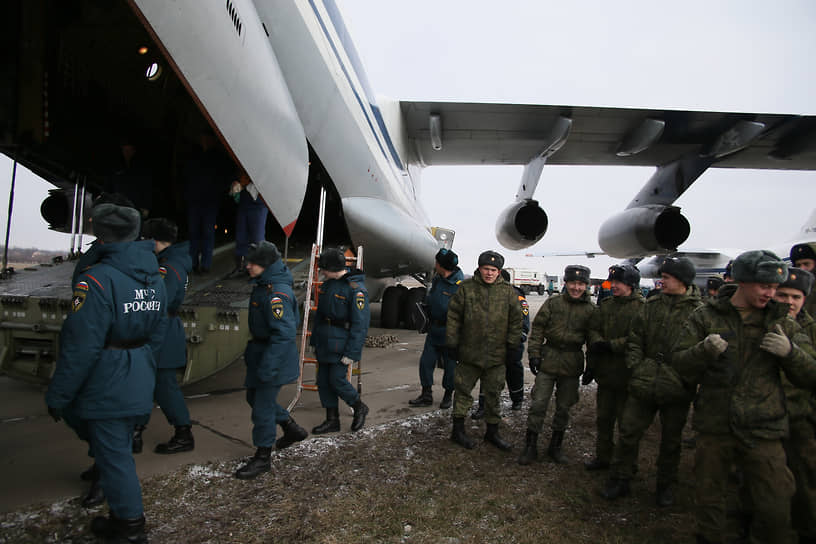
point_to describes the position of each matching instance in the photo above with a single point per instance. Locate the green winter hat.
(112, 223)
(802, 251)
(759, 266)
(263, 254)
(798, 279)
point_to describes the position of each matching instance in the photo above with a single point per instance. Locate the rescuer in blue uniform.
(271, 356)
(175, 264)
(341, 325)
(106, 370)
(443, 287)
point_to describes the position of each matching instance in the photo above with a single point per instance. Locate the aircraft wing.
(478, 133)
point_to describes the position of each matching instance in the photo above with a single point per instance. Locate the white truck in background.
(533, 281)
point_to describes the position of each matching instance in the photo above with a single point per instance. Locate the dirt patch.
(404, 481)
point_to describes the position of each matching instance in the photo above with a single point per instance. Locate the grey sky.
(733, 56)
(729, 56)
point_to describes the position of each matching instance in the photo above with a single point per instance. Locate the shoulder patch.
(458, 282)
(78, 299)
(81, 286)
(162, 271)
(525, 307)
(277, 307)
(360, 300)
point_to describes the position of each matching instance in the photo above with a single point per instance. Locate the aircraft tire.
(392, 303)
(410, 312)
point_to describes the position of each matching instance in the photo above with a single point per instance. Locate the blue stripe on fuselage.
(348, 47)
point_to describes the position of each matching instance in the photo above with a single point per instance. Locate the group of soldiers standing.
(743, 355)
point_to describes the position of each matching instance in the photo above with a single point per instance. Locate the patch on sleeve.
(525, 308)
(277, 307)
(360, 300)
(79, 298)
(163, 271)
(81, 286)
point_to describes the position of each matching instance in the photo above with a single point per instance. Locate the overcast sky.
(713, 55)
(729, 56)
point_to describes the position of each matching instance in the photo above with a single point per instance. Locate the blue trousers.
(111, 442)
(250, 227)
(266, 414)
(171, 400)
(427, 363)
(201, 223)
(332, 383)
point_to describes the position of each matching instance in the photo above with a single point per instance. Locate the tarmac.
(40, 460)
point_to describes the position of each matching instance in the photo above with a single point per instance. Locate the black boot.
(447, 399)
(113, 529)
(182, 440)
(332, 423)
(478, 413)
(89, 474)
(664, 495)
(517, 398)
(492, 436)
(95, 495)
(554, 449)
(138, 442)
(530, 452)
(360, 413)
(292, 432)
(596, 464)
(424, 399)
(256, 465)
(615, 488)
(459, 436)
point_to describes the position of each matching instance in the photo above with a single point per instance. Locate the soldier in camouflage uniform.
(734, 348)
(654, 386)
(804, 256)
(606, 364)
(800, 446)
(563, 323)
(484, 323)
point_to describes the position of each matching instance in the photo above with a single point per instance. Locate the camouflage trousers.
(609, 409)
(800, 449)
(492, 382)
(566, 396)
(769, 484)
(638, 415)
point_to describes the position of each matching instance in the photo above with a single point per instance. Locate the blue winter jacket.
(341, 319)
(442, 290)
(272, 356)
(175, 265)
(106, 366)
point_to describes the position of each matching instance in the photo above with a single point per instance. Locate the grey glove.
(776, 342)
(714, 345)
(347, 360)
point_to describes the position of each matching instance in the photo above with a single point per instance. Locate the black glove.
(587, 376)
(535, 363)
(600, 347)
(56, 413)
(453, 353)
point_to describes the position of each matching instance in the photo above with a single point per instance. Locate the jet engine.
(643, 230)
(57, 208)
(521, 225)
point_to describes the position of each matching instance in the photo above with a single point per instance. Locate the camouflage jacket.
(740, 391)
(810, 304)
(563, 322)
(611, 323)
(483, 321)
(649, 346)
(800, 400)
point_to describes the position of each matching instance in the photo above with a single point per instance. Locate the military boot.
(615, 488)
(447, 399)
(554, 449)
(256, 465)
(479, 412)
(492, 436)
(530, 452)
(292, 432)
(664, 495)
(459, 436)
(138, 441)
(424, 399)
(517, 398)
(360, 413)
(332, 423)
(89, 474)
(113, 529)
(95, 496)
(596, 464)
(182, 440)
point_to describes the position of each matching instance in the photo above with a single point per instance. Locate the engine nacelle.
(521, 225)
(643, 231)
(57, 206)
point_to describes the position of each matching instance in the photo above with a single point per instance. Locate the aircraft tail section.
(809, 227)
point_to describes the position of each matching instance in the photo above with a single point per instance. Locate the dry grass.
(400, 482)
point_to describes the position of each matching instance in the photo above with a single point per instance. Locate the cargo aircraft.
(281, 86)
